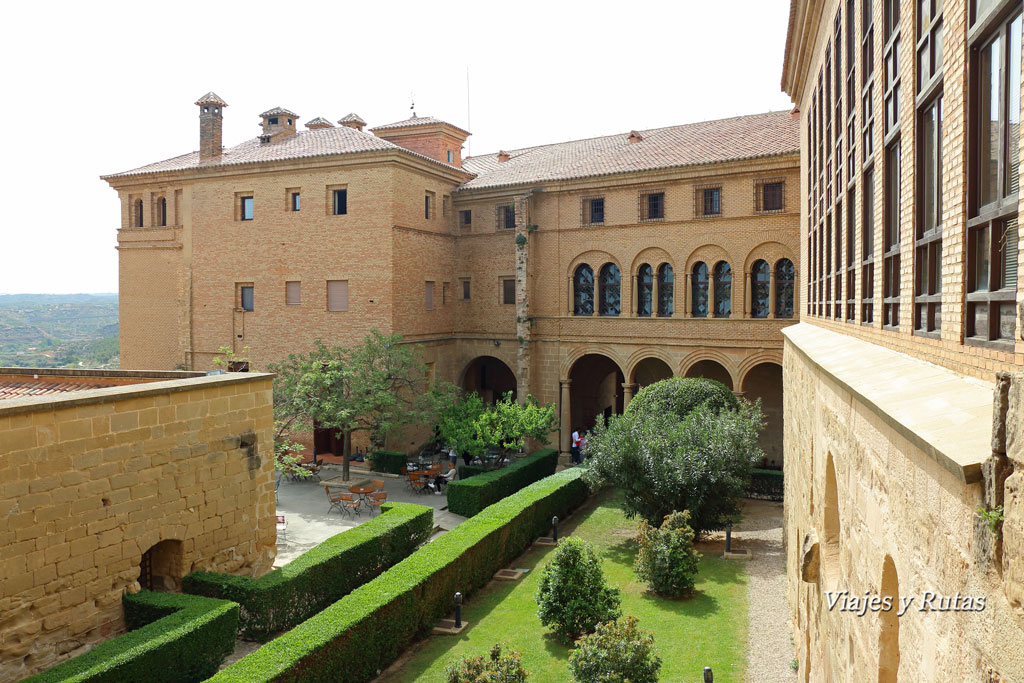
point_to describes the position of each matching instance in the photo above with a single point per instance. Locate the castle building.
(576, 272)
(904, 431)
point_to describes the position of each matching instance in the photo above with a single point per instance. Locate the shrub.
(617, 651)
(358, 636)
(680, 395)
(573, 596)
(320, 576)
(766, 484)
(391, 462)
(497, 668)
(667, 560)
(467, 471)
(470, 496)
(175, 639)
(701, 463)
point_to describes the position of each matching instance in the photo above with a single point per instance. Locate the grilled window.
(466, 219)
(506, 216)
(611, 287)
(508, 290)
(652, 206)
(644, 290)
(699, 290)
(759, 297)
(583, 290)
(784, 277)
(666, 290)
(723, 290)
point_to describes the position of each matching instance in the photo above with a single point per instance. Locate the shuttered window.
(430, 296)
(293, 293)
(337, 295)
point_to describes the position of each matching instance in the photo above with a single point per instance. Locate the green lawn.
(709, 629)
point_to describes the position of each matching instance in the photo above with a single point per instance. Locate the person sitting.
(441, 480)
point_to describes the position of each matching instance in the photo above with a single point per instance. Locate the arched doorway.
(889, 632)
(596, 391)
(709, 369)
(489, 377)
(764, 381)
(650, 370)
(162, 567)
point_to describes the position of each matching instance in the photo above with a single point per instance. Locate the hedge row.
(766, 484)
(175, 639)
(361, 634)
(320, 576)
(391, 462)
(470, 496)
(467, 471)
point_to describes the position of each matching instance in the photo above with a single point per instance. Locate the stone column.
(685, 308)
(772, 313)
(565, 417)
(746, 295)
(522, 209)
(627, 394)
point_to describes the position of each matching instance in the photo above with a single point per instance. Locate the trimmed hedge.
(175, 639)
(766, 484)
(322, 575)
(467, 471)
(390, 462)
(361, 634)
(470, 496)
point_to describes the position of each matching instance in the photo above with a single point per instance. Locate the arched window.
(611, 286)
(699, 290)
(723, 290)
(666, 290)
(583, 290)
(645, 291)
(760, 275)
(138, 213)
(784, 288)
(161, 211)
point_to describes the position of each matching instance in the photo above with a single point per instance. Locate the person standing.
(574, 448)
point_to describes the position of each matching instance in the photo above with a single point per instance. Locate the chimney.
(634, 136)
(278, 124)
(504, 156)
(318, 123)
(211, 123)
(353, 120)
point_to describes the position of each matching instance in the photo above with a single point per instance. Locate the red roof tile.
(21, 388)
(418, 121)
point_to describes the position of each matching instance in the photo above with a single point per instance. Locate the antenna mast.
(469, 120)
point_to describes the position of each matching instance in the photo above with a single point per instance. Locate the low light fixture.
(497, 343)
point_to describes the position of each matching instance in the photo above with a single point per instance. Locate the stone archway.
(162, 566)
(764, 381)
(650, 370)
(596, 390)
(710, 369)
(489, 377)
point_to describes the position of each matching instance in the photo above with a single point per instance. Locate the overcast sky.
(95, 88)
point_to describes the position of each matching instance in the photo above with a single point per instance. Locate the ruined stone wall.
(871, 510)
(91, 481)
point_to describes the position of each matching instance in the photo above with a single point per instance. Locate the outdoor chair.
(418, 482)
(312, 469)
(377, 499)
(335, 499)
(350, 504)
(282, 525)
(377, 484)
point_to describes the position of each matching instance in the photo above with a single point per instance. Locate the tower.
(211, 122)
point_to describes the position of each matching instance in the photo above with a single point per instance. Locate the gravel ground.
(770, 644)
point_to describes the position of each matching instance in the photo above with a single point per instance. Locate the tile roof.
(211, 98)
(417, 121)
(20, 388)
(742, 137)
(319, 121)
(304, 144)
(352, 118)
(279, 111)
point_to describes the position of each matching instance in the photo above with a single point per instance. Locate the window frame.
(327, 292)
(610, 292)
(583, 291)
(587, 213)
(246, 199)
(665, 279)
(466, 219)
(697, 286)
(761, 195)
(298, 293)
(243, 289)
(503, 212)
(465, 289)
(700, 200)
(646, 200)
(645, 290)
(503, 290)
(722, 304)
(334, 206)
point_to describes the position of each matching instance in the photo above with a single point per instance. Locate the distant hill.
(59, 330)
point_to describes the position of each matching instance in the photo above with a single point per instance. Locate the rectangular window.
(465, 288)
(445, 286)
(652, 206)
(867, 278)
(296, 203)
(506, 216)
(245, 208)
(851, 267)
(428, 205)
(339, 201)
(429, 296)
(928, 238)
(337, 295)
(993, 238)
(293, 293)
(451, 157)
(508, 290)
(445, 200)
(246, 299)
(768, 195)
(707, 200)
(466, 219)
(891, 257)
(593, 210)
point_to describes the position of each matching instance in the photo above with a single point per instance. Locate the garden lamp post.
(709, 675)
(728, 538)
(458, 610)
(554, 529)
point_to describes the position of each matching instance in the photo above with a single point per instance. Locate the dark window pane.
(467, 218)
(699, 290)
(666, 294)
(761, 276)
(772, 200)
(246, 208)
(426, 207)
(784, 273)
(597, 210)
(988, 122)
(296, 201)
(583, 290)
(645, 290)
(723, 290)
(712, 201)
(340, 202)
(508, 291)
(465, 289)
(247, 298)
(655, 206)
(1013, 109)
(610, 290)
(1009, 253)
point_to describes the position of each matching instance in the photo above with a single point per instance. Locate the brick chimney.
(428, 136)
(504, 156)
(211, 123)
(318, 123)
(278, 124)
(353, 120)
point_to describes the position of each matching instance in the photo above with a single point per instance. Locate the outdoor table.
(362, 491)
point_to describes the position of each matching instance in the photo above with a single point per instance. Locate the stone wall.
(90, 481)
(882, 488)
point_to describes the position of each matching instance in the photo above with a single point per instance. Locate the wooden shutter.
(337, 295)
(293, 293)
(430, 296)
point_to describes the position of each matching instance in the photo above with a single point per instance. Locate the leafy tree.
(680, 395)
(496, 668)
(287, 455)
(666, 559)
(573, 595)
(700, 463)
(618, 651)
(457, 415)
(375, 387)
